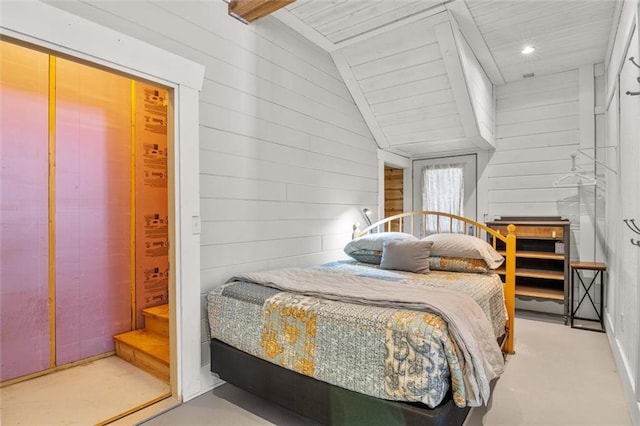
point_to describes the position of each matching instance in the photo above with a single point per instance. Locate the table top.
(595, 266)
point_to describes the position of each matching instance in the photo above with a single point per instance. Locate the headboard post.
(480, 231)
(510, 286)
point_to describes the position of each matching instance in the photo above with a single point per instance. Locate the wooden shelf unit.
(542, 257)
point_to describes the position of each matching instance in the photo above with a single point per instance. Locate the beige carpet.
(83, 395)
(558, 376)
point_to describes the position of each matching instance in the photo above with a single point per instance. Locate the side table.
(599, 269)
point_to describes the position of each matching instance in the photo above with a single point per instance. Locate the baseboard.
(623, 373)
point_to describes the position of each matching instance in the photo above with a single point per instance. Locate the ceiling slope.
(423, 72)
(417, 88)
(416, 81)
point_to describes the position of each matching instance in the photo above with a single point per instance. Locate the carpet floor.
(559, 376)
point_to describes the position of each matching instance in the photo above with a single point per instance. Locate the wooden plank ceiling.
(423, 72)
(403, 79)
(340, 20)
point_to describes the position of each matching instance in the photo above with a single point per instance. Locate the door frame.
(48, 27)
(386, 158)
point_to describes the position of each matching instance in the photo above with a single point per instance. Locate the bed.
(405, 332)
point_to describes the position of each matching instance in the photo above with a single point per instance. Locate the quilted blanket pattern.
(390, 353)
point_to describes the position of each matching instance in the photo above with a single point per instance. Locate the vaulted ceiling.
(423, 72)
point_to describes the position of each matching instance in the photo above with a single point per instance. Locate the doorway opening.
(393, 193)
(85, 241)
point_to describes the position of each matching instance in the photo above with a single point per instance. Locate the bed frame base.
(320, 401)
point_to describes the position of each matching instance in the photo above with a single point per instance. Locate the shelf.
(536, 273)
(534, 231)
(535, 255)
(539, 292)
(542, 259)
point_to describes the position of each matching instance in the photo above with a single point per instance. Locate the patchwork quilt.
(389, 334)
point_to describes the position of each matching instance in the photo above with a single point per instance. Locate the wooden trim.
(541, 232)
(52, 211)
(593, 266)
(251, 10)
(535, 255)
(536, 273)
(134, 409)
(132, 254)
(56, 368)
(510, 288)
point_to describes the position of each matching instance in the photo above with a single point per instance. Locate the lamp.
(366, 213)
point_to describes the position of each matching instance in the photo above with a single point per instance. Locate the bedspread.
(399, 349)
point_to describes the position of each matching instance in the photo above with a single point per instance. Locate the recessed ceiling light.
(528, 50)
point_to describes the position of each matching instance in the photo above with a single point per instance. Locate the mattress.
(385, 352)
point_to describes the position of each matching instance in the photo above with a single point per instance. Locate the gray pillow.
(411, 256)
(368, 248)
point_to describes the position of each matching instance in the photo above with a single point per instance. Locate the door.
(445, 184)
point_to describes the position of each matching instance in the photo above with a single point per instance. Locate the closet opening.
(85, 222)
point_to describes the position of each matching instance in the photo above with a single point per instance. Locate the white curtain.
(443, 191)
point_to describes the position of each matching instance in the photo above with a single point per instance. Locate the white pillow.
(467, 246)
(376, 241)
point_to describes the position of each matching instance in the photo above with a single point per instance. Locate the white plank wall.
(538, 127)
(286, 161)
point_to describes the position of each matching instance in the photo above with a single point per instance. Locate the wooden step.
(146, 350)
(156, 319)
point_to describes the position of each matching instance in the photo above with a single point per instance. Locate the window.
(443, 191)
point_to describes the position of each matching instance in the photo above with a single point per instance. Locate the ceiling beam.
(304, 30)
(453, 65)
(250, 10)
(360, 100)
(471, 33)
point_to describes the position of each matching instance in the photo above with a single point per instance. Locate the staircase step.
(160, 312)
(146, 350)
(156, 319)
